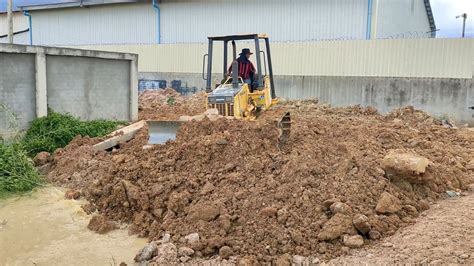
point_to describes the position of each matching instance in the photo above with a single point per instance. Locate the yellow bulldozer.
(232, 96)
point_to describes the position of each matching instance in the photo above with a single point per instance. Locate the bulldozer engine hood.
(223, 94)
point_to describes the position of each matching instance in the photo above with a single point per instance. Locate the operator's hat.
(245, 51)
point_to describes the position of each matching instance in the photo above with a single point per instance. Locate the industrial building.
(89, 22)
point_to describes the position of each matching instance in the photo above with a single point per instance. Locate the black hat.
(245, 51)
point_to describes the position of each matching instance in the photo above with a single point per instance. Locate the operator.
(246, 68)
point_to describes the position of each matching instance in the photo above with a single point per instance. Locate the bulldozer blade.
(159, 132)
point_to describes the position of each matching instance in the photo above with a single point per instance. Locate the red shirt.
(246, 69)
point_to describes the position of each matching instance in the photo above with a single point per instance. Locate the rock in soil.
(374, 235)
(361, 223)
(147, 252)
(339, 207)
(225, 252)
(185, 251)
(353, 241)
(192, 238)
(388, 204)
(166, 254)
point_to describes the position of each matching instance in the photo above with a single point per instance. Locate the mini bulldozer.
(232, 96)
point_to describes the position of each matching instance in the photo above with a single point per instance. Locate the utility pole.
(10, 21)
(464, 16)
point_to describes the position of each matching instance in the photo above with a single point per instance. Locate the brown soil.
(169, 104)
(442, 236)
(230, 182)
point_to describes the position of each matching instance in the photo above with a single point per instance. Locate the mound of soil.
(169, 104)
(228, 181)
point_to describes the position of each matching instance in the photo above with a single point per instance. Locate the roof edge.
(77, 4)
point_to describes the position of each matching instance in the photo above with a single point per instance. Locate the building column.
(134, 89)
(41, 85)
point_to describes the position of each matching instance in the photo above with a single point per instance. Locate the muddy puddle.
(43, 228)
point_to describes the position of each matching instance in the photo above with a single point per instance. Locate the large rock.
(353, 241)
(408, 166)
(335, 227)
(361, 223)
(388, 204)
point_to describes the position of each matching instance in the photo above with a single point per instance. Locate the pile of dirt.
(169, 104)
(227, 185)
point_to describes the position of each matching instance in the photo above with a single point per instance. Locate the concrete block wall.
(89, 88)
(17, 91)
(87, 84)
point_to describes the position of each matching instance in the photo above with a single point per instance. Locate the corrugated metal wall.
(20, 23)
(402, 19)
(431, 58)
(191, 21)
(108, 24)
(188, 21)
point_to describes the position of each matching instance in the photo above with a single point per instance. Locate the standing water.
(46, 229)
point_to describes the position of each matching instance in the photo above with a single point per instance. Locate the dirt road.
(442, 235)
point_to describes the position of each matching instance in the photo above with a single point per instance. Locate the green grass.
(57, 130)
(17, 173)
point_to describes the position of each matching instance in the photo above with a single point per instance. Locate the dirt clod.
(101, 224)
(388, 204)
(335, 227)
(72, 194)
(42, 158)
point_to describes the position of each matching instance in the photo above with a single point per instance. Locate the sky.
(444, 11)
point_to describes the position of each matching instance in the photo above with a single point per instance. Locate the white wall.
(417, 58)
(107, 24)
(189, 21)
(20, 23)
(402, 19)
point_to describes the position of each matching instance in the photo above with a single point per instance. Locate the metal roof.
(76, 3)
(237, 37)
